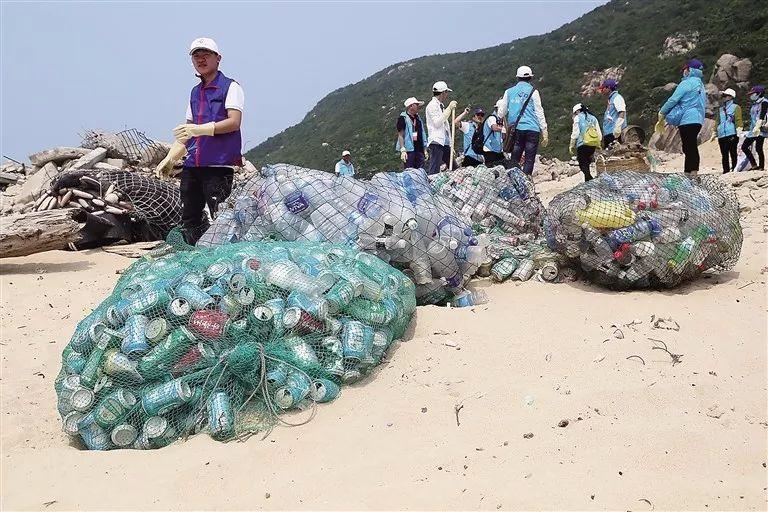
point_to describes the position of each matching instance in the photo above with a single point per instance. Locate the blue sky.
(72, 66)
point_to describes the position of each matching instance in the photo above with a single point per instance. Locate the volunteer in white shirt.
(344, 166)
(438, 127)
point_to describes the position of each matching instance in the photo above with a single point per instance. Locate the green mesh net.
(225, 339)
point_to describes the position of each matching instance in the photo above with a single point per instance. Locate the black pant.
(607, 139)
(492, 158)
(729, 147)
(526, 143)
(470, 162)
(689, 134)
(438, 155)
(201, 186)
(584, 155)
(758, 142)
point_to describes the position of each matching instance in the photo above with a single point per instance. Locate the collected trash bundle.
(116, 205)
(394, 216)
(225, 339)
(641, 230)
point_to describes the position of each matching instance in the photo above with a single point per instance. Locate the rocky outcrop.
(679, 44)
(593, 79)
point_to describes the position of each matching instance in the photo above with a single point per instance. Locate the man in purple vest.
(210, 137)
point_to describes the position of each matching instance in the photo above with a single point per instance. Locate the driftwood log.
(35, 232)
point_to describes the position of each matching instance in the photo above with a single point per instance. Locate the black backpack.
(477, 138)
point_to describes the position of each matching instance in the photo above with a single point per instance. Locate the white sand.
(690, 436)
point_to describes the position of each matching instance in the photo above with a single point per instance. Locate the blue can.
(93, 435)
(277, 375)
(296, 389)
(353, 339)
(221, 417)
(194, 295)
(323, 390)
(135, 341)
(164, 397)
(278, 308)
(317, 307)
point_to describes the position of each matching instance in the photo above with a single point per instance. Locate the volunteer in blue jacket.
(685, 109)
(532, 125)
(344, 166)
(758, 127)
(493, 152)
(615, 117)
(585, 137)
(728, 124)
(411, 135)
(468, 128)
(211, 139)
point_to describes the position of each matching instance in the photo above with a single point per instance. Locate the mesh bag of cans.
(394, 216)
(646, 230)
(224, 339)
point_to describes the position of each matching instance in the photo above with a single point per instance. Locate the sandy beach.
(641, 433)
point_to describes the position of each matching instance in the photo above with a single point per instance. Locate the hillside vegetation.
(626, 34)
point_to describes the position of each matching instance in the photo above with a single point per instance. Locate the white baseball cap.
(204, 43)
(441, 87)
(499, 103)
(576, 107)
(345, 153)
(524, 72)
(410, 101)
(729, 92)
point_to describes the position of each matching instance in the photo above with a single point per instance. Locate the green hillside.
(630, 34)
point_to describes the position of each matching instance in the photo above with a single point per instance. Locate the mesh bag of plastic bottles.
(223, 340)
(646, 230)
(506, 214)
(394, 216)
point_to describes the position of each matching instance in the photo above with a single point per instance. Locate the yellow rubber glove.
(544, 138)
(659, 128)
(177, 151)
(572, 147)
(186, 131)
(403, 155)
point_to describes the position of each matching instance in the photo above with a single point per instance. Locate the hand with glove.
(403, 155)
(544, 139)
(617, 131)
(659, 128)
(163, 169)
(183, 132)
(756, 130)
(572, 147)
(449, 110)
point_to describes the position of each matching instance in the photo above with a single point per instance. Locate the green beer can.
(164, 355)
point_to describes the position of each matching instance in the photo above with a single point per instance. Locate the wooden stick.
(453, 136)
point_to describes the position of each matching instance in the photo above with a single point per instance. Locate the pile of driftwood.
(70, 196)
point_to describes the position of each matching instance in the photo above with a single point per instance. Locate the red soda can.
(208, 323)
(190, 360)
(301, 322)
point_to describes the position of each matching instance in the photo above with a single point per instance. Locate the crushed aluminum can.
(164, 397)
(208, 324)
(323, 390)
(92, 434)
(71, 420)
(195, 296)
(123, 435)
(135, 341)
(353, 340)
(156, 330)
(301, 322)
(524, 271)
(221, 417)
(549, 271)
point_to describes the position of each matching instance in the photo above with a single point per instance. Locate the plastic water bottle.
(469, 298)
(334, 226)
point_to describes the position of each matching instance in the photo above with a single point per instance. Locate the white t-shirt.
(619, 104)
(235, 99)
(438, 129)
(465, 125)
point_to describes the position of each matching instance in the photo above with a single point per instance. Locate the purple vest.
(207, 105)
